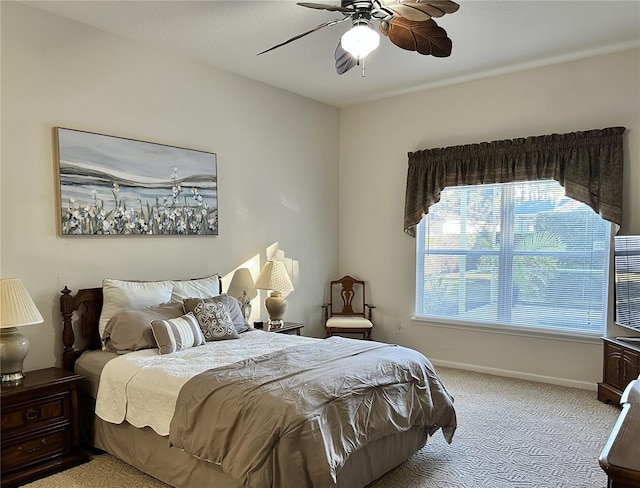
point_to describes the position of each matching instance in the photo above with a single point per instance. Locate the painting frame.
(116, 186)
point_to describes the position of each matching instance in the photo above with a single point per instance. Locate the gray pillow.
(130, 330)
(213, 317)
(233, 305)
(177, 334)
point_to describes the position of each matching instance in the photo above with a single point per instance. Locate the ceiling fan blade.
(425, 37)
(419, 10)
(324, 6)
(344, 60)
(295, 38)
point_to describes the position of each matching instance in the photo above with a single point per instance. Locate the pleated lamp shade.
(274, 277)
(16, 309)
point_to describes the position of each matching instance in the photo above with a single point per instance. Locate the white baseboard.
(516, 374)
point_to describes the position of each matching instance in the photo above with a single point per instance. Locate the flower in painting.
(169, 213)
(197, 197)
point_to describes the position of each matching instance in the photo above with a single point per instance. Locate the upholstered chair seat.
(348, 323)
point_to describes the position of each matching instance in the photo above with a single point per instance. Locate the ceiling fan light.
(360, 40)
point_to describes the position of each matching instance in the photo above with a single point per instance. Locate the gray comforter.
(292, 418)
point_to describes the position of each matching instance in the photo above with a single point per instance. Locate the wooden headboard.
(88, 303)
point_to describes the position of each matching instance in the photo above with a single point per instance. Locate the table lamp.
(274, 277)
(16, 309)
(243, 288)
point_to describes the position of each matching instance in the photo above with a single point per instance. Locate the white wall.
(277, 166)
(375, 138)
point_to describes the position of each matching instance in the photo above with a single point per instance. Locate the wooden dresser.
(621, 365)
(40, 433)
(620, 457)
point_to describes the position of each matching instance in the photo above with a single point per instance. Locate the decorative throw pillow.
(130, 330)
(177, 334)
(233, 306)
(121, 295)
(214, 319)
(196, 288)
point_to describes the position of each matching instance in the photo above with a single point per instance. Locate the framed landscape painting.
(114, 186)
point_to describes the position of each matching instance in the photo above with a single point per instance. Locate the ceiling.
(489, 38)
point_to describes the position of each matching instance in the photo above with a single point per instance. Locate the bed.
(261, 410)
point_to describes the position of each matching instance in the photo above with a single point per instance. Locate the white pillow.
(199, 288)
(121, 295)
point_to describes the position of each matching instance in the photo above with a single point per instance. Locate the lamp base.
(276, 306)
(275, 324)
(245, 308)
(12, 377)
(13, 349)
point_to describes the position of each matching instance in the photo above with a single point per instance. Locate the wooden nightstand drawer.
(40, 434)
(36, 447)
(30, 415)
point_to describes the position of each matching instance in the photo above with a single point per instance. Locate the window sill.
(552, 334)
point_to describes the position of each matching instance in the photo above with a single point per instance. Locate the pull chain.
(360, 61)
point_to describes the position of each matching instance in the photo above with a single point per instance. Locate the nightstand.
(40, 433)
(289, 328)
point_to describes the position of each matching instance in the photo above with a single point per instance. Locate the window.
(513, 254)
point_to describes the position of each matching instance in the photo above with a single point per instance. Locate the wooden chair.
(347, 312)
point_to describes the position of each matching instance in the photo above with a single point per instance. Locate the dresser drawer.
(35, 414)
(35, 447)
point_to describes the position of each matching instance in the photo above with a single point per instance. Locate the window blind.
(515, 254)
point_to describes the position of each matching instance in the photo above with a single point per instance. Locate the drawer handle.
(43, 442)
(31, 414)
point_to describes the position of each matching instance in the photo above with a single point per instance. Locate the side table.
(40, 429)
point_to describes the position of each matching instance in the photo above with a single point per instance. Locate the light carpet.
(511, 433)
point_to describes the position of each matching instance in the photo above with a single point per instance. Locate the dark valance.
(587, 164)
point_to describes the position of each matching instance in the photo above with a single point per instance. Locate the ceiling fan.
(407, 23)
